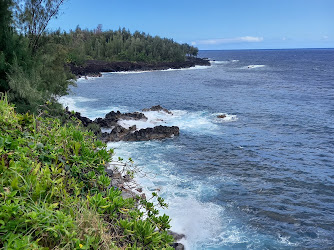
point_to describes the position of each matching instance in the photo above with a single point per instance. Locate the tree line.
(33, 61)
(120, 45)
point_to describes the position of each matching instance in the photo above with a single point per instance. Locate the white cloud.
(325, 37)
(284, 38)
(244, 39)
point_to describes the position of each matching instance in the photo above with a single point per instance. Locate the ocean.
(260, 178)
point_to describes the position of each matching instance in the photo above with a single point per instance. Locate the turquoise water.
(261, 178)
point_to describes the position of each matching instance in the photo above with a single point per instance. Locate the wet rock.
(111, 119)
(109, 172)
(176, 236)
(118, 133)
(221, 116)
(85, 120)
(156, 133)
(177, 246)
(158, 108)
(128, 194)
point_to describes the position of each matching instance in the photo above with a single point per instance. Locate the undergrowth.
(54, 191)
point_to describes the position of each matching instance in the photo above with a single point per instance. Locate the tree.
(33, 16)
(6, 38)
(31, 72)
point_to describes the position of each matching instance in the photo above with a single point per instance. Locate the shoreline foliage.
(55, 193)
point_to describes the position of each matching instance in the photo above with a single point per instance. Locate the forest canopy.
(120, 45)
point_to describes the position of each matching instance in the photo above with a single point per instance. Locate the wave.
(200, 122)
(86, 78)
(253, 66)
(191, 68)
(150, 71)
(219, 62)
(193, 122)
(127, 72)
(226, 118)
(223, 62)
(205, 224)
(77, 104)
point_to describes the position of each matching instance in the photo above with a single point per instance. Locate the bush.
(54, 191)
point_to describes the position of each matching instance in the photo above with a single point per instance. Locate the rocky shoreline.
(130, 189)
(119, 133)
(96, 67)
(118, 171)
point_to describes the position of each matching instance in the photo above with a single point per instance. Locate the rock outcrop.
(85, 120)
(119, 133)
(111, 119)
(156, 133)
(158, 108)
(95, 67)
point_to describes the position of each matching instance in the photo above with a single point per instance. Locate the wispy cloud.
(243, 39)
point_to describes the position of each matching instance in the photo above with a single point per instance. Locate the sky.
(211, 24)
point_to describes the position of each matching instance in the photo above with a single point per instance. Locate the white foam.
(219, 62)
(253, 66)
(196, 122)
(86, 78)
(191, 68)
(286, 240)
(73, 103)
(140, 124)
(223, 62)
(106, 130)
(130, 72)
(200, 222)
(227, 118)
(204, 224)
(163, 70)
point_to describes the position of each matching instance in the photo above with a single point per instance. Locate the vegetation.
(32, 71)
(34, 63)
(54, 191)
(120, 45)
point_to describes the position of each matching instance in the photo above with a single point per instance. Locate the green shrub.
(54, 191)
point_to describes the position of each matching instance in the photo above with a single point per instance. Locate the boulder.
(156, 133)
(221, 116)
(177, 246)
(111, 119)
(118, 133)
(176, 236)
(85, 120)
(158, 108)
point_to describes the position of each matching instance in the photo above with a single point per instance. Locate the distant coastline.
(96, 67)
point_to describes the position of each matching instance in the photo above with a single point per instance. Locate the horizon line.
(265, 49)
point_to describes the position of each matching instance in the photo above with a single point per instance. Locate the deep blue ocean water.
(261, 178)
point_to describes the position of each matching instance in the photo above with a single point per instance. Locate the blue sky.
(212, 24)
